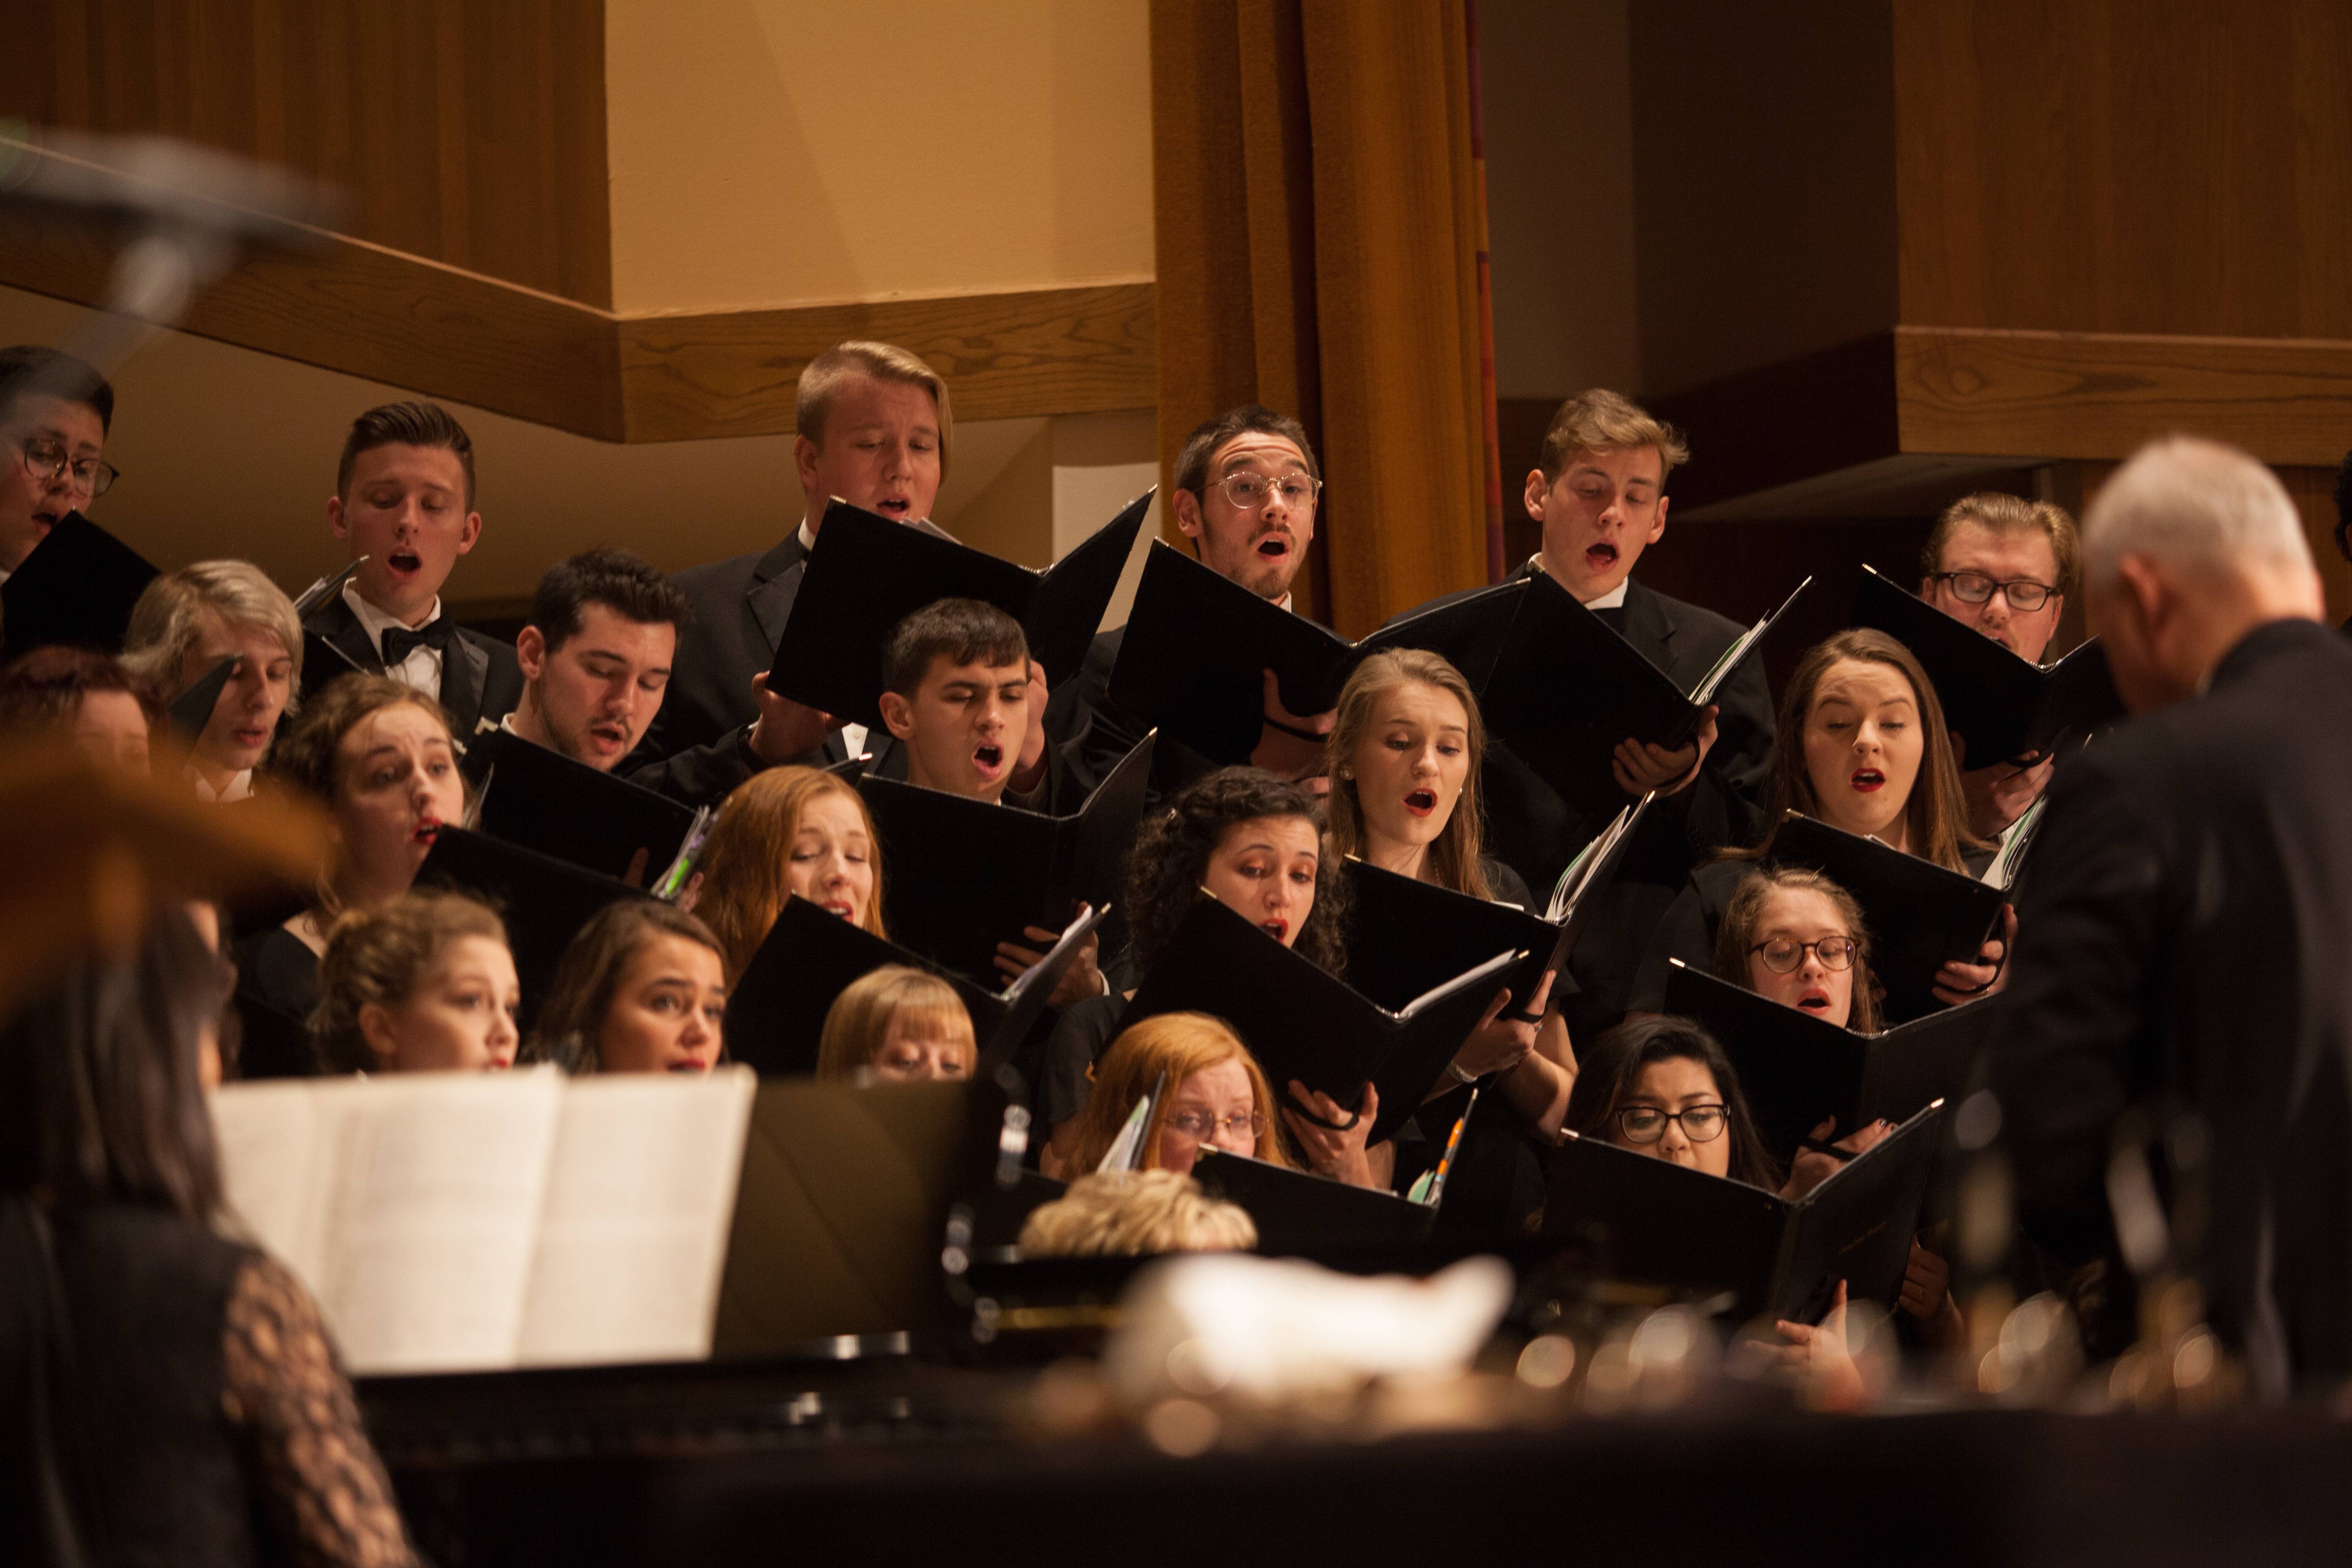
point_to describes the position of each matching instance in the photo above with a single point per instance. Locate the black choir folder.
(1658, 1223)
(1197, 644)
(544, 801)
(2003, 706)
(1303, 1023)
(192, 710)
(775, 1015)
(449, 1222)
(967, 875)
(1406, 937)
(77, 588)
(1566, 690)
(1799, 1071)
(1921, 916)
(1300, 1212)
(544, 901)
(867, 574)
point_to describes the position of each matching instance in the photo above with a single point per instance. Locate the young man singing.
(404, 500)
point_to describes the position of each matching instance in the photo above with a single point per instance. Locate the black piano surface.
(907, 1457)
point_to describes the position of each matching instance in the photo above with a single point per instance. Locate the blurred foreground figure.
(2189, 918)
(166, 1394)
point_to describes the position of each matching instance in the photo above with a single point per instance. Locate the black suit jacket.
(1095, 732)
(1539, 832)
(2187, 937)
(480, 681)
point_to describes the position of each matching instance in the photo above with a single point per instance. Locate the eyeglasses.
(1783, 953)
(1647, 1123)
(1975, 588)
(1249, 491)
(46, 459)
(1200, 1127)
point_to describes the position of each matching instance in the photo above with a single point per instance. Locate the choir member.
(641, 988)
(1599, 490)
(403, 501)
(379, 756)
(183, 626)
(177, 1388)
(1408, 752)
(1215, 1096)
(2002, 565)
(1246, 490)
(56, 413)
(1861, 746)
(872, 427)
(1662, 1087)
(84, 697)
(1795, 936)
(790, 832)
(2189, 912)
(1252, 841)
(422, 982)
(897, 1025)
(1136, 1213)
(595, 657)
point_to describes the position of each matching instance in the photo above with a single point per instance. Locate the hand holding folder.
(868, 572)
(1303, 1023)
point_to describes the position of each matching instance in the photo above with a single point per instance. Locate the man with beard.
(1247, 489)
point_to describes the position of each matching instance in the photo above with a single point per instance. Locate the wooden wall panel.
(1046, 350)
(467, 131)
(2121, 166)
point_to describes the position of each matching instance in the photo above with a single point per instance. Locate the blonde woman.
(897, 1024)
(183, 626)
(421, 984)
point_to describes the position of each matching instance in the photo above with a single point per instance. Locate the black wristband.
(1293, 730)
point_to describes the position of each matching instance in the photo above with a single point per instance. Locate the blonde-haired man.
(2184, 930)
(1599, 492)
(874, 426)
(2004, 566)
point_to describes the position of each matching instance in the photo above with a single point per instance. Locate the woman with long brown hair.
(641, 988)
(785, 832)
(1860, 745)
(1796, 937)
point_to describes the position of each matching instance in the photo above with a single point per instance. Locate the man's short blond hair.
(163, 625)
(1129, 1214)
(2000, 513)
(1599, 420)
(821, 382)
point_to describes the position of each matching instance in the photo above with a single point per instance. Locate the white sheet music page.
(632, 1230)
(430, 1237)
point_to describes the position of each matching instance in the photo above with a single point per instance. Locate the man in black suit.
(1247, 486)
(2183, 942)
(404, 500)
(874, 425)
(1599, 494)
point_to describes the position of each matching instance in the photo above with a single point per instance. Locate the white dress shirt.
(421, 670)
(239, 788)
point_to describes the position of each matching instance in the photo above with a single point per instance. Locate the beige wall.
(229, 452)
(770, 152)
(1558, 97)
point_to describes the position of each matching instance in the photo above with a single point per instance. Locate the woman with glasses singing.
(1662, 1087)
(1861, 745)
(1216, 1096)
(1798, 938)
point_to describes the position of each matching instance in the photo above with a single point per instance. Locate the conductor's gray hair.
(2188, 500)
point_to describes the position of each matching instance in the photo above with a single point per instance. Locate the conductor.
(2187, 926)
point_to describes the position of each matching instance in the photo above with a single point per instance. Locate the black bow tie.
(399, 641)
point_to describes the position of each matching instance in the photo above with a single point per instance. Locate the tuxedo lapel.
(1649, 626)
(465, 670)
(335, 622)
(775, 583)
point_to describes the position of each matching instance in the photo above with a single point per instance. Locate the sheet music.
(632, 1229)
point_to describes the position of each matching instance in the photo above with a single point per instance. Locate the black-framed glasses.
(1647, 1123)
(46, 458)
(1249, 491)
(1783, 953)
(1975, 588)
(1200, 1127)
